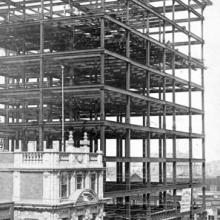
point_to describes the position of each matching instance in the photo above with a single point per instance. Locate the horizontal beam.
(77, 54)
(157, 72)
(152, 40)
(148, 189)
(151, 10)
(89, 91)
(151, 129)
(152, 160)
(110, 125)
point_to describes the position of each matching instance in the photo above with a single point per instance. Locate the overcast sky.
(212, 80)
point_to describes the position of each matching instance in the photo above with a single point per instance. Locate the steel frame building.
(121, 64)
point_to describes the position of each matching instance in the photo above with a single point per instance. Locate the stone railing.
(32, 157)
(56, 160)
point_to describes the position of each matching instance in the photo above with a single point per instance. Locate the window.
(64, 185)
(93, 181)
(79, 181)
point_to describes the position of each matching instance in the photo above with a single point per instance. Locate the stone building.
(54, 185)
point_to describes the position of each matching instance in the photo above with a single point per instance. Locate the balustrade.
(32, 157)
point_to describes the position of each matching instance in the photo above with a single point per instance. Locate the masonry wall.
(6, 185)
(31, 185)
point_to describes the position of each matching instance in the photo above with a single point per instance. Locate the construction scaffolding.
(132, 74)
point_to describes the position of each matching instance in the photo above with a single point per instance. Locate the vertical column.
(174, 142)
(8, 17)
(47, 189)
(55, 185)
(127, 119)
(160, 148)
(119, 166)
(164, 111)
(24, 10)
(87, 179)
(96, 109)
(203, 118)
(24, 146)
(127, 143)
(103, 5)
(49, 138)
(12, 144)
(164, 23)
(6, 141)
(102, 147)
(160, 30)
(164, 146)
(16, 186)
(41, 78)
(174, 110)
(100, 183)
(148, 147)
(144, 149)
(72, 182)
(148, 162)
(24, 140)
(144, 141)
(119, 154)
(62, 110)
(190, 111)
(71, 8)
(102, 94)
(17, 140)
(51, 8)
(162, 140)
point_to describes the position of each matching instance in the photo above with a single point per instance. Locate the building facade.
(52, 185)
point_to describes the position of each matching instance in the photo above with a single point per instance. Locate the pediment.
(84, 196)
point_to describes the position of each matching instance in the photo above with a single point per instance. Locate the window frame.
(93, 181)
(82, 180)
(66, 183)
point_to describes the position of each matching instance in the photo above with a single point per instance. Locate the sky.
(212, 80)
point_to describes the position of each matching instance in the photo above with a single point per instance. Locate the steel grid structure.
(125, 63)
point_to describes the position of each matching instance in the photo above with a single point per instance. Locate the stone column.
(100, 184)
(55, 187)
(47, 187)
(16, 186)
(87, 180)
(72, 183)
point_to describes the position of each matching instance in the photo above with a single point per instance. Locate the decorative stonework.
(46, 174)
(88, 215)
